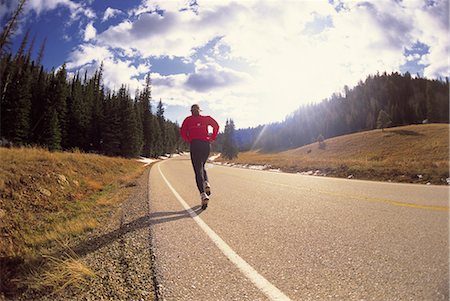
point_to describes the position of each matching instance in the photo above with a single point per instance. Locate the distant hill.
(405, 99)
(415, 153)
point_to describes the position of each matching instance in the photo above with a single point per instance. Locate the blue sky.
(250, 60)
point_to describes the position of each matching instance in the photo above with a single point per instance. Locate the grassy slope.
(49, 198)
(398, 154)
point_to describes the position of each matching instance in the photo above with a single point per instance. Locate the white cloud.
(151, 34)
(208, 76)
(90, 32)
(413, 57)
(88, 54)
(76, 9)
(123, 72)
(110, 13)
(432, 28)
(152, 5)
(116, 72)
(173, 34)
(299, 52)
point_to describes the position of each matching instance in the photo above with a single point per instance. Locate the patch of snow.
(146, 161)
(306, 173)
(212, 158)
(316, 172)
(257, 167)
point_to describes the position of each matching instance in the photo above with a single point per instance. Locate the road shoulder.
(119, 253)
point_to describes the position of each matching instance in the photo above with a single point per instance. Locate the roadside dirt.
(119, 253)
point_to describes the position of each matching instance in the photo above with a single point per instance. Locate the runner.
(194, 130)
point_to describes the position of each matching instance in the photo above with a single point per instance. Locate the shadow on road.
(155, 218)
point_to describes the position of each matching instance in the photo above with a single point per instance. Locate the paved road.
(282, 236)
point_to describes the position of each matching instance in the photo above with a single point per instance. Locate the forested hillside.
(405, 99)
(53, 110)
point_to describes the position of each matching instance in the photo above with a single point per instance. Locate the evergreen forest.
(405, 99)
(62, 112)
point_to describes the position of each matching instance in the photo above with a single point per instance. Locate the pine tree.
(96, 114)
(10, 27)
(21, 125)
(59, 94)
(157, 139)
(383, 120)
(78, 121)
(38, 105)
(41, 53)
(162, 127)
(112, 127)
(54, 100)
(146, 108)
(6, 71)
(437, 103)
(171, 134)
(229, 149)
(52, 132)
(129, 143)
(139, 124)
(16, 99)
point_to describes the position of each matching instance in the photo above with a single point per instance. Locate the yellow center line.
(369, 199)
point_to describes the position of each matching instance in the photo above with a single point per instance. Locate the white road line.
(258, 280)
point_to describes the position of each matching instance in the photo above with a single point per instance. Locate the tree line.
(406, 100)
(226, 142)
(53, 110)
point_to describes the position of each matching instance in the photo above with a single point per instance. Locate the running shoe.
(205, 200)
(207, 187)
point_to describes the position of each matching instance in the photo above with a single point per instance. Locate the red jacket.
(196, 127)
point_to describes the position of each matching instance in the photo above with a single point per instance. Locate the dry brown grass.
(46, 197)
(397, 154)
(61, 272)
(64, 272)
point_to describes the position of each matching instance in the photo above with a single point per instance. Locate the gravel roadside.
(119, 252)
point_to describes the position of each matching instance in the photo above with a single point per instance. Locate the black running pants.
(199, 155)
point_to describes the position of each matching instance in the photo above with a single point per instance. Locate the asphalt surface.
(311, 238)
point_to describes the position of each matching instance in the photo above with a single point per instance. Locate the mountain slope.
(414, 153)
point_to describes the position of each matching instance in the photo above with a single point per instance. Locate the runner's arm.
(215, 126)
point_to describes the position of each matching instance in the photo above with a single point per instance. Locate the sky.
(254, 61)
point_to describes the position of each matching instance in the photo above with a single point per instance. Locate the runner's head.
(195, 110)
